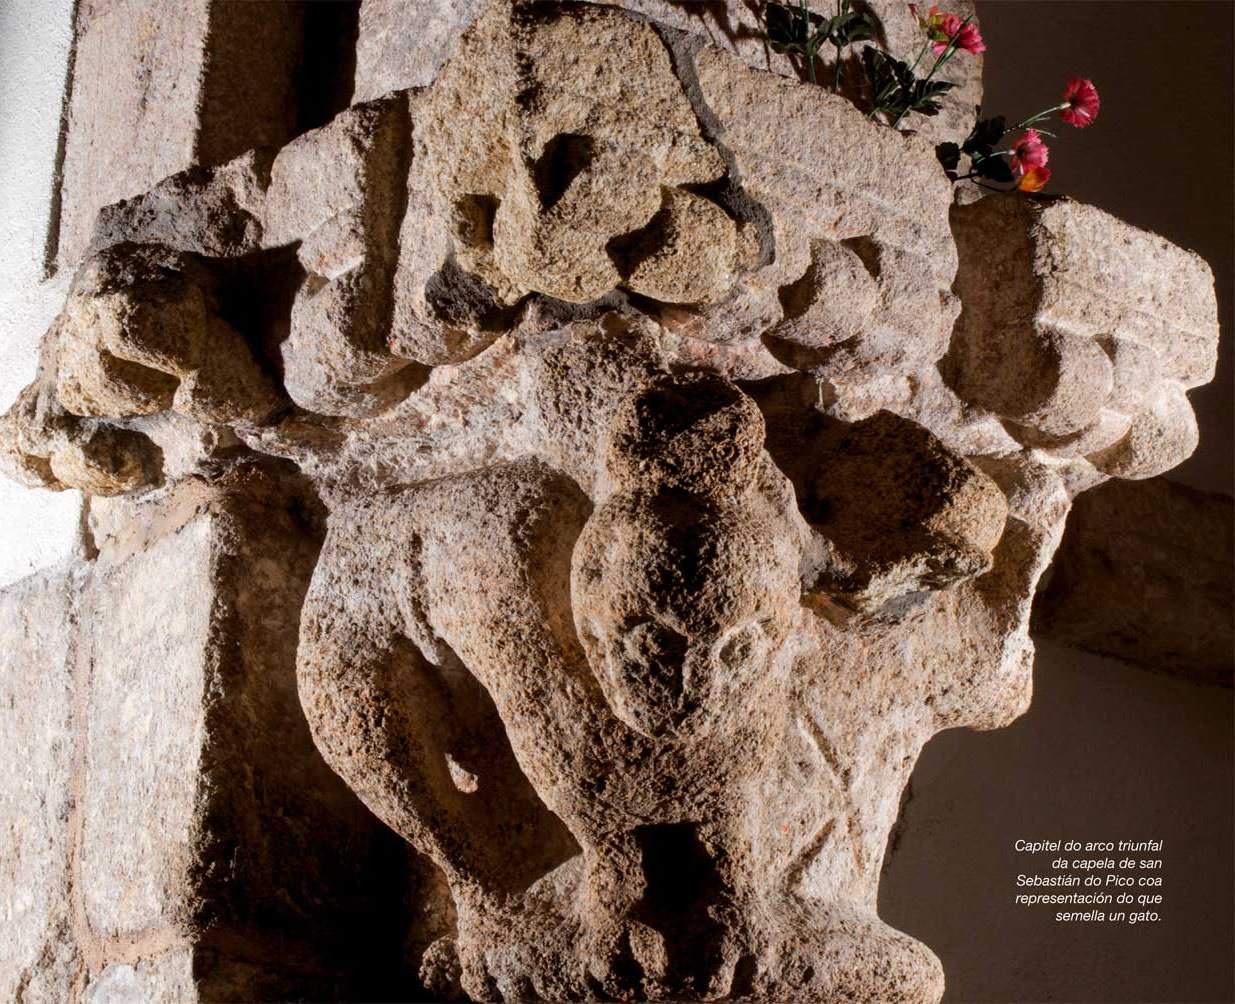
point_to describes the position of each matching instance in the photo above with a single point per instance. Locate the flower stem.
(940, 62)
(972, 176)
(949, 50)
(1040, 116)
(810, 50)
(925, 45)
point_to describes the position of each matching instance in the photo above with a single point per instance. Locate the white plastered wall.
(37, 528)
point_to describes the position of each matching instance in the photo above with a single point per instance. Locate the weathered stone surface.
(904, 513)
(212, 211)
(1104, 334)
(549, 176)
(161, 87)
(46, 447)
(638, 726)
(168, 977)
(891, 273)
(404, 43)
(331, 190)
(38, 954)
(1144, 575)
(143, 331)
(149, 666)
(208, 821)
(801, 257)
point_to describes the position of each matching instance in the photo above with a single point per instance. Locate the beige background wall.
(37, 528)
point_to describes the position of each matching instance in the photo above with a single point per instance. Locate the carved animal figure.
(486, 655)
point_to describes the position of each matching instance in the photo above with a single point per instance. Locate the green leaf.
(875, 64)
(923, 93)
(984, 136)
(824, 34)
(854, 26)
(787, 31)
(879, 73)
(995, 168)
(931, 88)
(903, 74)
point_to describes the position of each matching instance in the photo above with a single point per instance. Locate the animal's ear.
(579, 374)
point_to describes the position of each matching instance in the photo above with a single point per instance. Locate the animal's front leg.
(572, 935)
(621, 951)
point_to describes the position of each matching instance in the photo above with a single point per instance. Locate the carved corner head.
(686, 579)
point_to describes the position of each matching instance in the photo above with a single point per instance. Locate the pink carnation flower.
(1080, 105)
(1029, 152)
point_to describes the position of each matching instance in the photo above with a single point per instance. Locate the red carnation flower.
(1029, 153)
(967, 35)
(1033, 181)
(1080, 102)
(940, 28)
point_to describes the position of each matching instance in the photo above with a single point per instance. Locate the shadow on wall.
(1106, 752)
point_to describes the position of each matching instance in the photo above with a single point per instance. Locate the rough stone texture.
(332, 190)
(170, 833)
(149, 666)
(561, 174)
(168, 977)
(214, 211)
(1144, 575)
(38, 957)
(404, 43)
(867, 237)
(142, 333)
(207, 818)
(675, 497)
(658, 676)
(160, 87)
(1105, 336)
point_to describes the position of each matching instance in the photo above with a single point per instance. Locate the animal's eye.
(651, 642)
(740, 646)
